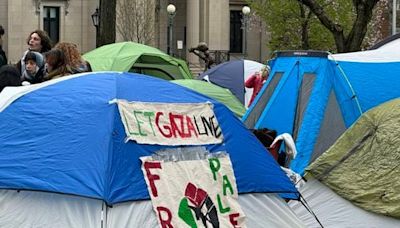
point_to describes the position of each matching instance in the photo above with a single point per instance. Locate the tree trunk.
(354, 40)
(305, 42)
(364, 14)
(107, 22)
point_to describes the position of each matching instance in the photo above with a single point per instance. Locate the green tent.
(217, 93)
(138, 58)
(363, 165)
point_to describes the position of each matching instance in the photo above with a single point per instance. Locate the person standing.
(73, 58)
(38, 41)
(256, 82)
(3, 57)
(34, 68)
(56, 64)
(9, 76)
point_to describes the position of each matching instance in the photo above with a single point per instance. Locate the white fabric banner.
(194, 193)
(170, 123)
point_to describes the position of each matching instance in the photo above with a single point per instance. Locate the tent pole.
(308, 208)
(348, 83)
(103, 214)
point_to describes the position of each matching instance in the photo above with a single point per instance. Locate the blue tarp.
(66, 137)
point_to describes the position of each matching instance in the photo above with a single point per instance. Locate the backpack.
(266, 137)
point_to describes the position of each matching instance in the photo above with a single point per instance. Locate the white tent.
(334, 211)
(44, 209)
(385, 51)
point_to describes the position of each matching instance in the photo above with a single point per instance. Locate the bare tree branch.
(136, 20)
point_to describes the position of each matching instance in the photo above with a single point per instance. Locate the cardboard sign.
(194, 193)
(170, 123)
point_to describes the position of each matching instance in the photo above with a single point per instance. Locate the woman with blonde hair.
(73, 57)
(256, 81)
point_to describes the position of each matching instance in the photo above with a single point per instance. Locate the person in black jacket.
(9, 76)
(3, 57)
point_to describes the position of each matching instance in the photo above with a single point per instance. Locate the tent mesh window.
(259, 107)
(332, 127)
(158, 73)
(307, 84)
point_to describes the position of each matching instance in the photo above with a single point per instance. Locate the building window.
(236, 34)
(51, 22)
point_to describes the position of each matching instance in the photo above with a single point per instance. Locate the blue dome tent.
(65, 136)
(232, 75)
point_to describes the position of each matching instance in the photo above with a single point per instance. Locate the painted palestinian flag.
(194, 193)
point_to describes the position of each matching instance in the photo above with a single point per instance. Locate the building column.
(192, 29)
(218, 25)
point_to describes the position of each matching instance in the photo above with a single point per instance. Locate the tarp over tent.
(218, 93)
(138, 58)
(316, 98)
(356, 182)
(232, 75)
(65, 137)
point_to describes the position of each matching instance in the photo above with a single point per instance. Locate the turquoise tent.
(316, 96)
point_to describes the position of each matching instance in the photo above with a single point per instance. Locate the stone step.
(196, 69)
